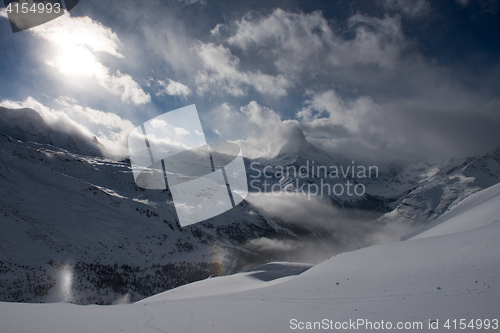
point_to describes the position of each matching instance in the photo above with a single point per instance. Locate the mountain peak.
(25, 125)
(28, 125)
(296, 143)
(298, 147)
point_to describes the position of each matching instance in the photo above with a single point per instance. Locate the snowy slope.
(447, 274)
(258, 277)
(480, 209)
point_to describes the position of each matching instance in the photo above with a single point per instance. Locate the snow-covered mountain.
(440, 279)
(67, 214)
(440, 187)
(61, 211)
(409, 192)
(298, 150)
(27, 125)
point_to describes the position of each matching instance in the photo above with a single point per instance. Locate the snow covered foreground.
(450, 271)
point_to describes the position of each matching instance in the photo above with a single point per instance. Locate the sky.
(371, 81)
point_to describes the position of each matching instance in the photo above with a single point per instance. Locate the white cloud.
(124, 85)
(259, 131)
(80, 31)
(347, 231)
(288, 29)
(217, 30)
(328, 109)
(159, 124)
(109, 128)
(267, 244)
(3, 13)
(221, 70)
(181, 131)
(400, 105)
(378, 41)
(76, 40)
(370, 96)
(334, 124)
(275, 53)
(261, 116)
(431, 128)
(305, 43)
(363, 129)
(173, 88)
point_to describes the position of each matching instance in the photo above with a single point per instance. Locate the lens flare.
(66, 282)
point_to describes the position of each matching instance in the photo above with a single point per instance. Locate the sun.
(78, 60)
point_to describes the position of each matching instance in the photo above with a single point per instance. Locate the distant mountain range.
(65, 208)
(408, 192)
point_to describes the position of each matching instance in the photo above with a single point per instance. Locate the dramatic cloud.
(258, 130)
(366, 130)
(76, 40)
(369, 94)
(220, 70)
(371, 85)
(342, 230)
(296, 42)
(111, 130)
(327, 109)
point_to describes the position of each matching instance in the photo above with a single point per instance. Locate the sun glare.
(77, 60)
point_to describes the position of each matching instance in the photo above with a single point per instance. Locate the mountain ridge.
(28, 125)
